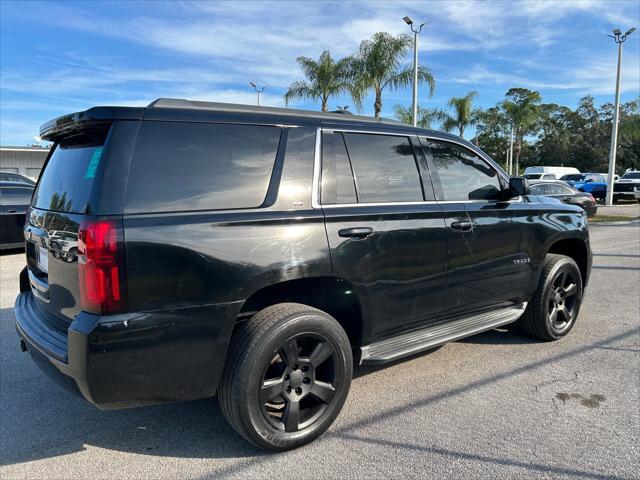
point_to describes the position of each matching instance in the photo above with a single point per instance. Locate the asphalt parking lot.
(497, 405)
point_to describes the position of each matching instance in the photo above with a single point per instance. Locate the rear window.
(67, 181)
(198, 166)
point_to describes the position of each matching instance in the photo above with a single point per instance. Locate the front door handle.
(356, 232)
(462, 225)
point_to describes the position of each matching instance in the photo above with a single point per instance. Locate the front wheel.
(553, 310)
(287, 376)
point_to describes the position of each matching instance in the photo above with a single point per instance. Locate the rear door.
(385, 231)
(489, 240)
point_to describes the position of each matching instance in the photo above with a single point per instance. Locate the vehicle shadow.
(11, 251)
(40, 420)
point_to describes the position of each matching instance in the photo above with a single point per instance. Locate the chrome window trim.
(315, 188)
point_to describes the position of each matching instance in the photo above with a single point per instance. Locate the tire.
(286, 356)
(559, 291)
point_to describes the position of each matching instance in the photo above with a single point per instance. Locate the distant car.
(16, 178)
(557, 171)
(566, 194)
(593, 183)
(540, 176)
(627, 187)
(14, 202)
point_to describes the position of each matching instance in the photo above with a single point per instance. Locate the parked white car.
(628, 187)
(558, 172)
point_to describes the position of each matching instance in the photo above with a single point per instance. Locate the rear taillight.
(101, 267)
(593, 199)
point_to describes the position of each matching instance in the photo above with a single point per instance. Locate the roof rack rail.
(233, 107)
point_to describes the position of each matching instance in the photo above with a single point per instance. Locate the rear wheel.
(553, 310)
(287, 377)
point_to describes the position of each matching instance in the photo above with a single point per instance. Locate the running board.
(405, 344)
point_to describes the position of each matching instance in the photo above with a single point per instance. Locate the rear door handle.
(462, 225)
(356, 232)
(11, 211)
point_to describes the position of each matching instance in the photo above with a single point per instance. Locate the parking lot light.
(619, 38)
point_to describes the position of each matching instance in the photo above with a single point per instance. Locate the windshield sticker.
(93, 164)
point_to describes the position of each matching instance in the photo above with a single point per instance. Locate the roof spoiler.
(67, 124)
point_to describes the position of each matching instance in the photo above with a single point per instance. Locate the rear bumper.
(133, 359)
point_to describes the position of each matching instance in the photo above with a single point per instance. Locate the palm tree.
(425, 115)
(378, 66)
(463, 114)
(325, 78)
(522, 108)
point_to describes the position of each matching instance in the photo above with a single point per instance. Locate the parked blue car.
(593, 183)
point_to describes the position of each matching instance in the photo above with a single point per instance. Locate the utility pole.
(619, 38)
(414, 109)
(258, 90)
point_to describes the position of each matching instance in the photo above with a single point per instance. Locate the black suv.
(257, 253)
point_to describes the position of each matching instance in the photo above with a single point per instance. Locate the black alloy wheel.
(555, 305)
(287, 376)
(562, 299)
(297, 385)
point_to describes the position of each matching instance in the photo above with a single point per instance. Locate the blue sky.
(60, 57)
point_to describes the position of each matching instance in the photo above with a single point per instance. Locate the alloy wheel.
(299, 384)
(562, 300)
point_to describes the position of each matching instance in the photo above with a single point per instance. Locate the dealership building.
(26, 161)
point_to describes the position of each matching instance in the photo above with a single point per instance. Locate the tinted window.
(537, 190)
(532, 176)
(555, 189)
(199, 166)
(568, 190)
(67, 181)
(337, 178)
(462, 174)
(15, 196)
(574, 177)
(384, 167)
(15, 177)
(631, 175)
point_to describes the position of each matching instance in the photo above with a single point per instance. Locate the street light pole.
(258, 90)
(414, 109)
(619, 38)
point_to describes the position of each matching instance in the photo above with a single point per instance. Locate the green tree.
(378, 66)
(492, 133)
(462, 114)
(522, 108)
(325, 78)
(425, 115)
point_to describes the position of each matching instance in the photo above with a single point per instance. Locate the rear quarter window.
(181, 166)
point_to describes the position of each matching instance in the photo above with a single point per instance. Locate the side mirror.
(518, 186)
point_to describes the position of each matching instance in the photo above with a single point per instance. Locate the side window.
(567, 190)
(554, 189)
(337, 178)
(462, 174)
(385, 168)
(200, 166)
(537, 189)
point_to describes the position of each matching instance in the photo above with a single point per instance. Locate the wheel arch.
(578, 250)
(333, 295)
